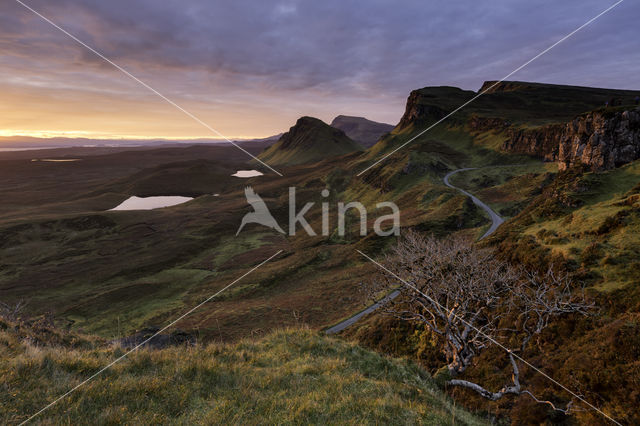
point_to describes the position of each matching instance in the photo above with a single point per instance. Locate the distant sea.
(28, 149)
(111, 145)
(25, 143)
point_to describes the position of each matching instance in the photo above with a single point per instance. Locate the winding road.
(496, 221)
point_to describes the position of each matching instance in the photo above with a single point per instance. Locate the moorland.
(80, 269)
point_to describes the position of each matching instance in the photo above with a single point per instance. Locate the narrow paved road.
(496, 221)
(346, 323)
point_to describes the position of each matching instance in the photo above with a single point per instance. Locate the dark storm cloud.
(361, 49)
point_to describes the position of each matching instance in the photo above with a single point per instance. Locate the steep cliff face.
(540, 142)
(600, 140)
(416, 111)
(430, 104)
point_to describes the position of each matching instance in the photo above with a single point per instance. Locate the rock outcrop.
(430, 104)
(542, 142)
(601, 140)
(416, 111)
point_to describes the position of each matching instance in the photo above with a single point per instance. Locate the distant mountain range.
(361, 130)
(10, 143)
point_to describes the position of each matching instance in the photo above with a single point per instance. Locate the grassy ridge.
(293, 376)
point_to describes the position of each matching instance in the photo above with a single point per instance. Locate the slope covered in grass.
(586, 221)
(292, 376)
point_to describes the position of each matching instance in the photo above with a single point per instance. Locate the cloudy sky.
(250, 68)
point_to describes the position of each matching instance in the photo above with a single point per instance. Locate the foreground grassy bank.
(292, 376)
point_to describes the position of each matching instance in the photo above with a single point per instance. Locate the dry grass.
(293, 376)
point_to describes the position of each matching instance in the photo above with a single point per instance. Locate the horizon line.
(7, 138)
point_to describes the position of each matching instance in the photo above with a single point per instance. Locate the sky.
(251, 68)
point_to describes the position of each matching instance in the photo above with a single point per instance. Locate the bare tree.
(11, 312)
(472, 300)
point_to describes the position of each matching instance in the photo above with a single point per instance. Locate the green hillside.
(310, 140)
(288, 377)
(589, 222)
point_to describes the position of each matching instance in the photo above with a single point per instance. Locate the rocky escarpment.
(542, 142)
(430, 104)
(416, 111)
(600, 140)
(567, 124)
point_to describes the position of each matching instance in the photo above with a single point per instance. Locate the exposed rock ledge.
(601, 140)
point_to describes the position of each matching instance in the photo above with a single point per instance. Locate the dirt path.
(496, 221)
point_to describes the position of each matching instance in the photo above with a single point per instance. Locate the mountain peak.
(309, 131)
(309, 140)
(348, 118)
(306, 120)
(360, 129)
